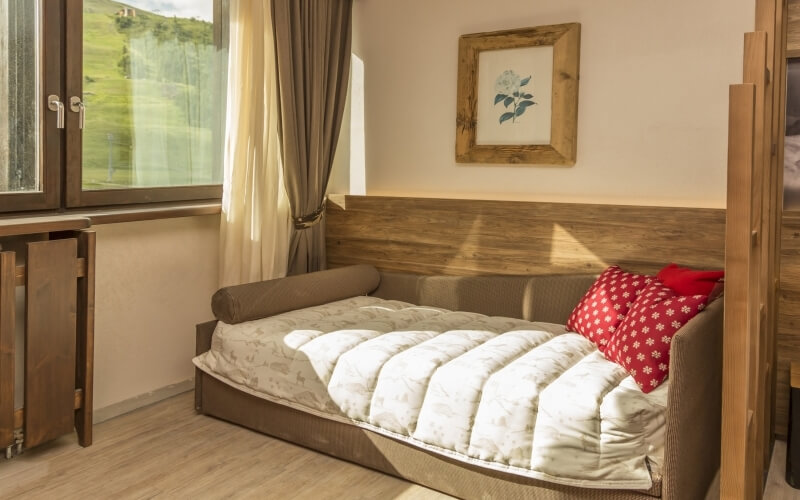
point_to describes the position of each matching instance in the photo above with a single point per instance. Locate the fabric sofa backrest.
(548, 298)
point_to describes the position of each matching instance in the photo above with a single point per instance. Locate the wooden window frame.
(74, 194)
(50, 141)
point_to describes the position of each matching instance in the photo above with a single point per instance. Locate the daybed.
(692, 428)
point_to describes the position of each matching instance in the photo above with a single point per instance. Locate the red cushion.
(601, 310)
(641, 343)
(687, 281)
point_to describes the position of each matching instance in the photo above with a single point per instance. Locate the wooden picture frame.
(526, 138)
(791, 149)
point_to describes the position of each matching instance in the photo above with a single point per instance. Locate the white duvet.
(526, 398)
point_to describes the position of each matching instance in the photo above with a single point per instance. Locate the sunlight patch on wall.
(471, 242)
(358, 163)
(566, 251)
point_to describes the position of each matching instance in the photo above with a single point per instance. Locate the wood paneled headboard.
(471, 237)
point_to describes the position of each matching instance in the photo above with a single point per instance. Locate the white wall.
(154, 281)
(652, 120)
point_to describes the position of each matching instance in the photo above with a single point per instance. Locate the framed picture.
(518, 96)
(791, 146)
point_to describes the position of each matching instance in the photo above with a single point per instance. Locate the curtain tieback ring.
(309, 220)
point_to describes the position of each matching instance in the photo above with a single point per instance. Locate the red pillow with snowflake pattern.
(641, 343)
(600, 311)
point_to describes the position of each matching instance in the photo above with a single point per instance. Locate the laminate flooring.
(166, 451)
(777, 488)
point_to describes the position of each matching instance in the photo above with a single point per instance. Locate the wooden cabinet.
(53, 259)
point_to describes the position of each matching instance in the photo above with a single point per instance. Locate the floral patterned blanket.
(527, 398)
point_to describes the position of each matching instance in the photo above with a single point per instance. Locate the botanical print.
(510, 82)
(508, 87)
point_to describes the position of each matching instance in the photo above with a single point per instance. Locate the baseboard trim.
(142, 400)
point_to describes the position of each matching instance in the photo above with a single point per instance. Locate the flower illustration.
(507, 83)
(508, 86)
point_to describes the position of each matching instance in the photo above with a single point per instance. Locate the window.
(30, 165)
(139, 87)
(19, 82)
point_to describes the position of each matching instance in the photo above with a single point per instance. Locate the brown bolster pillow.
(235, 304)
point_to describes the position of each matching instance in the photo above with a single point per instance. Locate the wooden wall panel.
(789, 316)
(471, 237)
(51, 315)
(778, 80)
(793, 33)
(788, 337)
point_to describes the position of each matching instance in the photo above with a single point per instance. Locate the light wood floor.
(777, 488)
(167, 451)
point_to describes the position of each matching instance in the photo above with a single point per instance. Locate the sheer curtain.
(175, 132)
(254, 236)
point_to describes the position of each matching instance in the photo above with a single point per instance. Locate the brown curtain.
(312, 46)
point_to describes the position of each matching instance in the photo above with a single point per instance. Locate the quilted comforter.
(526, 398)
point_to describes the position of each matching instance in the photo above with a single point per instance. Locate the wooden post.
(771, 16)
(772, 19)
(84, 370)
(7, 334)
(777, 198)
(756, 54)
(755, 169)
(736, 477)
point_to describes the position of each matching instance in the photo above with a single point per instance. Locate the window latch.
(54, 104)
(77, 106)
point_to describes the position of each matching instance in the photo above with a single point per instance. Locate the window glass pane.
(151, 95)
(19, 96)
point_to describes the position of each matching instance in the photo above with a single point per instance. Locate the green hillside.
(148, 94)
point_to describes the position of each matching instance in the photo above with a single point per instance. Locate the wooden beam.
(7, 334)
(777, 195)
(736, 478)
(773, 194)
(150, 212)
(771, 17)
(15, 226)
(84, 368)
(755, 71)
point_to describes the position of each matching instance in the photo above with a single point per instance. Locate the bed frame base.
(375, 451)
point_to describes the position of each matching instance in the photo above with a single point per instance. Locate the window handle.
(77, 106)
(55, 104)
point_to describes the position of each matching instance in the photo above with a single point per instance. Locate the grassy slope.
(167, 146)
(106, 93)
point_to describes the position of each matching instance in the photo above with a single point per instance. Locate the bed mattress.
(521, 397)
